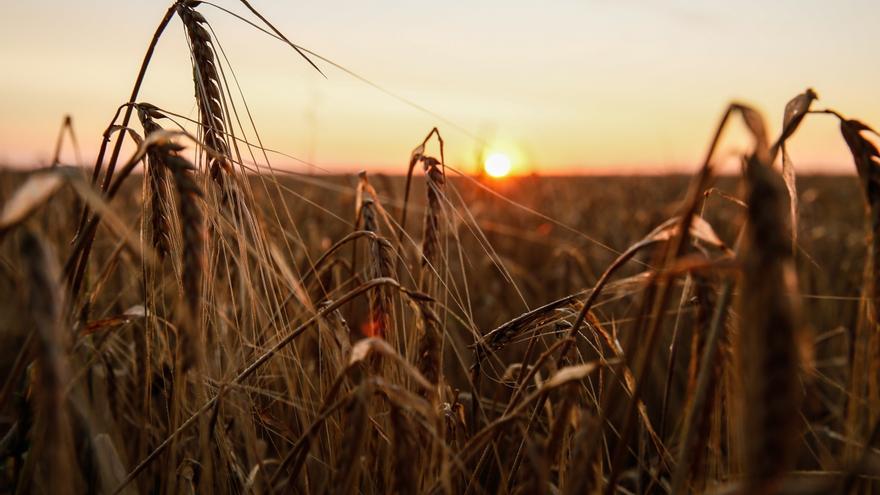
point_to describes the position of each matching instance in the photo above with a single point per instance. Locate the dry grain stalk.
(864, 382)
(657, 296)
(429, 346)
(430, 343)
(208, 87)
(193, 264)
(418, 155)
(434, 181)
(52, 444)
(381, 256)
(770, 327)
(356, 434)
(406, 452)
(156, 183)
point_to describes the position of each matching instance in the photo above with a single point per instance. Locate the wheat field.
(174, 319)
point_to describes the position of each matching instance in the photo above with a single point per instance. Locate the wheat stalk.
(769, 326)
(52, 449)
(208, 86)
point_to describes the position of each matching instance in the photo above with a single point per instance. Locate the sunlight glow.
(497, 165)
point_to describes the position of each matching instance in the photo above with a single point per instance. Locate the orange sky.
(584, 86)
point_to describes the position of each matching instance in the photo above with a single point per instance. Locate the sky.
(562, 86)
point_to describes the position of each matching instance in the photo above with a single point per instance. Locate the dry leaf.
(138, 310)
(755, 122)
(795, 110)
(364, 347)
(866, 157)
(31, 195)
(788, 176)
(700, 229)
(571, 373)
(290, 278)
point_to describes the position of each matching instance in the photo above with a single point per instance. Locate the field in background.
(552, 236)
(549, 260)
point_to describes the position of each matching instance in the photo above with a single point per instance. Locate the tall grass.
(234, 330)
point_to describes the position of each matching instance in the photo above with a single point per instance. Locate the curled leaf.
(571, 373)
(866, 157)
(138, 310)
(700, 229)
(755, 122)
(134, 135)
(365, 347)
(795, 110)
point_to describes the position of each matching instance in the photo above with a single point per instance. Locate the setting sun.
(497, 165)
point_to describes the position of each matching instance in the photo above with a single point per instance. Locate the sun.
(497, 165)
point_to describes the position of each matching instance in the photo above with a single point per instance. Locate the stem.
(702, 388)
